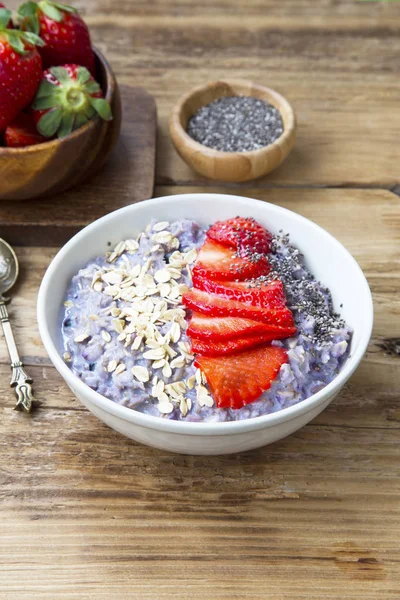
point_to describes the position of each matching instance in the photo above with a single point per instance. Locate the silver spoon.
(20, 380)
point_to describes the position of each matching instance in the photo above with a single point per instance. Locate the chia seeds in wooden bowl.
(233, 130)
(236, 124)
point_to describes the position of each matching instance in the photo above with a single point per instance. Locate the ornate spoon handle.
(19, 379)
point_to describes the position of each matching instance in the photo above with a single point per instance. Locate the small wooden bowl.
(230, 166)
(52, 167)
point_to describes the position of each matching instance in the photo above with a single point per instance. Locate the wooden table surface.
(87, 514)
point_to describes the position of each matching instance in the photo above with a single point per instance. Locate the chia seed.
(236, 124)
(305, 295)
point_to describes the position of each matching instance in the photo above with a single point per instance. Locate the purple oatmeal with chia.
(124, 328)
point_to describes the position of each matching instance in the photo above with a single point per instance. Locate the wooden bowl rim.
(175, 121)
(110, 91)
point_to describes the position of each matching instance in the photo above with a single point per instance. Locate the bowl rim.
(175, 122)
(110, 91)
(200, 428)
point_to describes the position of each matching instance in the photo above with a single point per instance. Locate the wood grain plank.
(286, 11)
(340, 84)
(313, 516)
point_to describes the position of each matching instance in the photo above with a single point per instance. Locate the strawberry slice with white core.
(226, 347)
(254, 292)
(227, 328)
(217, 306)
(239, 379)
(216, 261)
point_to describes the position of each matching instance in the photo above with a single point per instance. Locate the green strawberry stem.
(70, 104)
(28, 13)
(5, 16)
(54, 10)
(17, 39)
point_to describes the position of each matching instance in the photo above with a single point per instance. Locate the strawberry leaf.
(5, 16)
(90, 112)
(92, 87)
(14, 39)
(28, 9)
(50, 122)
(45, 102)
(32, 38)
(82, 75)
(64, 7)
(66, 125)
(80, 120)
(27, 15)
(102, 108)
(45, 89)
(61, 74)
(51, 11)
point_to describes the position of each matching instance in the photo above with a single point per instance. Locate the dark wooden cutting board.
(127, 177)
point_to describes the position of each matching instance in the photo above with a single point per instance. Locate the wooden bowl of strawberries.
(60, 108)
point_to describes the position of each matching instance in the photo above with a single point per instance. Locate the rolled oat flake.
(236, 124)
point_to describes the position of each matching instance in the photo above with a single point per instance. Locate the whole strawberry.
(20, 69)
(65, 34)
(22, 132)
(67, 98)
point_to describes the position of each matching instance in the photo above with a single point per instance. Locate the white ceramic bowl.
(327, 258)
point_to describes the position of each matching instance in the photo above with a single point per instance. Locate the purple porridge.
(123, 328)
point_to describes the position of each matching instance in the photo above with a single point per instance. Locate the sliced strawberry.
(217, 306)
(22, 132)
(216, 261)
(222, 328)
(239, 379)
(217, 329)
(242, 234)
(268, 295)
(225, 347)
